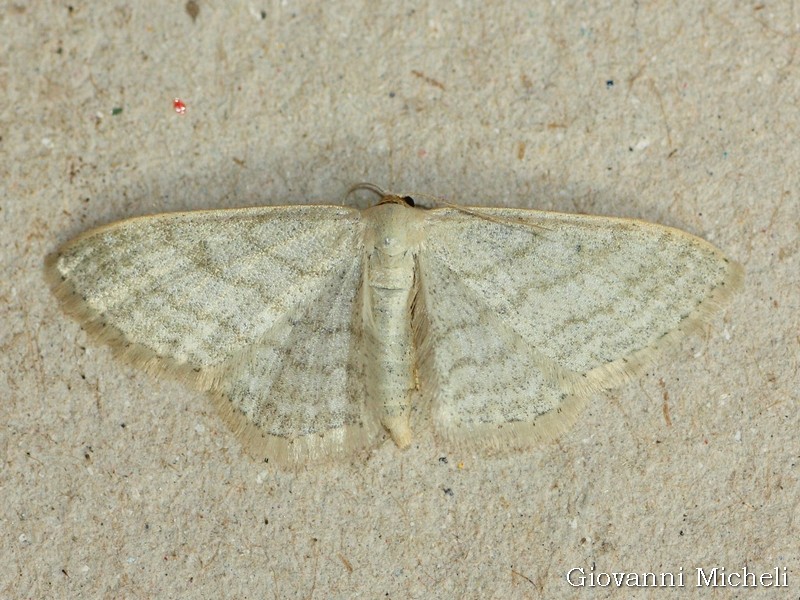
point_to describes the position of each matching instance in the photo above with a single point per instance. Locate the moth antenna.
(365, 185)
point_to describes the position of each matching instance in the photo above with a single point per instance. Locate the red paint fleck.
(179, 106)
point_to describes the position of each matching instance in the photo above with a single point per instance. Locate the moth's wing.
(259, 306)
(522, 315)
(300, 393)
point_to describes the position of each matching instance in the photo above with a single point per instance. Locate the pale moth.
(318, 328)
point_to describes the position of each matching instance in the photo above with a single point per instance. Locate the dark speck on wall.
(192, 9)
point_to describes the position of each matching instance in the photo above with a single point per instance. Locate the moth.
(317, 329)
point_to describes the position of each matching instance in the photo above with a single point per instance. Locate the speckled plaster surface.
(114, 484)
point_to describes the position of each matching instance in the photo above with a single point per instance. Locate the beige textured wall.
(114, 484)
